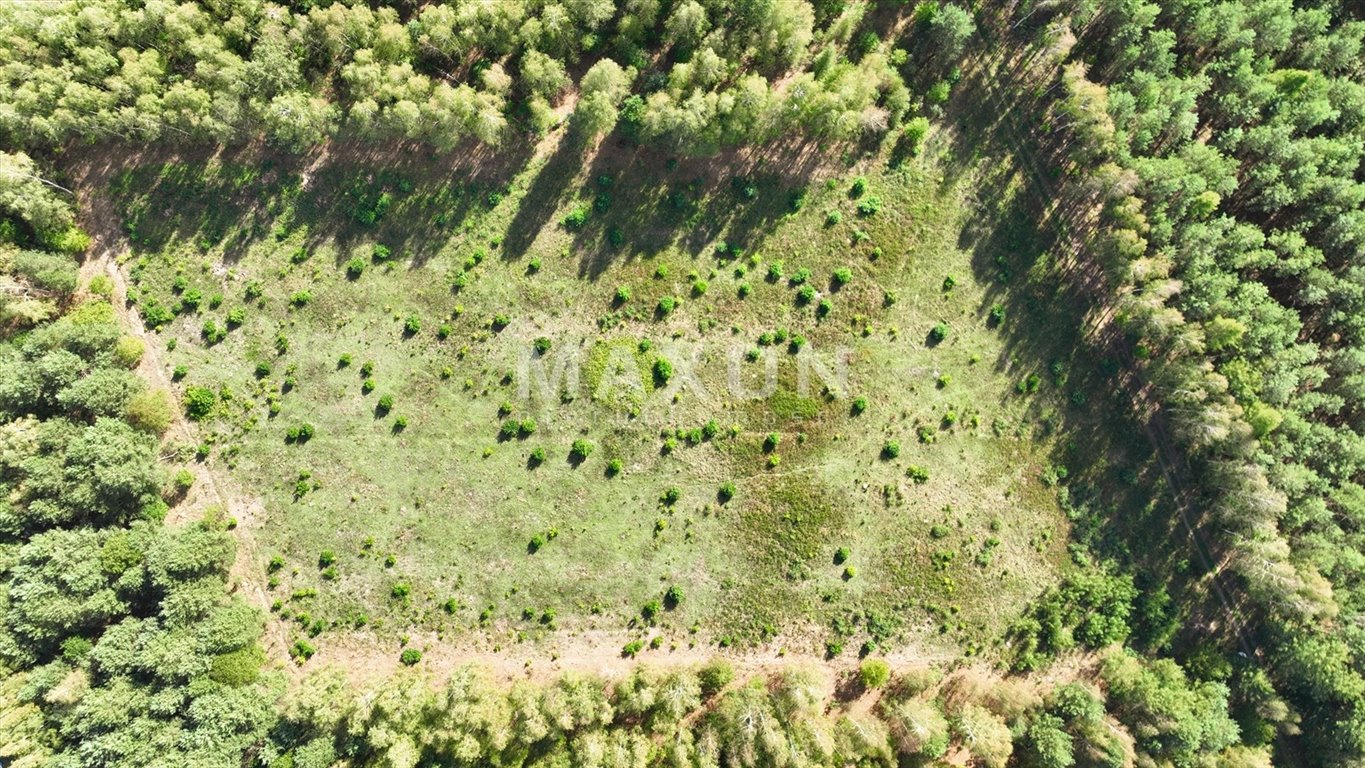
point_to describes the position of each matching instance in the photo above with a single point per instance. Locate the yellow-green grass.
(449, 508)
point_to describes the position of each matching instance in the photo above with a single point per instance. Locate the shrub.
(806, 295)
(775, 271)
(939, 531)
(671, 496)
(997, 314)
(149, 411)
(870, 206)
(917, 474)
(299, 255)
(726, 492)
(913, 135)
(367, 386)
(128, 351)
(673, 597)
(859, 405)
(801, 276)
(536, 543)
(212, 333)
(841, 555)
(509, 429)
(526, 427)
(614, 467)
(400, 590)
(874, 672)
(581, 449)
(859, 187)
(714, 676)
(199, 402)
(385, 403)
(744, 290)
(236, 316)
(412, 326)
(576, 219)
(666, 305)
(949, 283)
(622, 294)
(542, 345)
(410, 656)
(300, 298)
(938, 333)
(771, 442)
(833, 217)
(355, 268)
(891, 449)
(842, 276)
(328, 557)
(381, 253)
(443, 331)
(400, 423)
(662, 371)
(538, 456)
(302, 650)
(629, 650)
(500, 321)
(650, 610)
(850, 573)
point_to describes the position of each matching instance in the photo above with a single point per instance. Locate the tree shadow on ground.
(1028, 236)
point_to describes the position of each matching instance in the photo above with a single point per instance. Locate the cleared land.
(499, 329)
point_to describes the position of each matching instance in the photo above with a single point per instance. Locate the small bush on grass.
(874, 673)
(410, 656)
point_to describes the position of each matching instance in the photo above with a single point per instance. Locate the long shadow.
(1021, 238)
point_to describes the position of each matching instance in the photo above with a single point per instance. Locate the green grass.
(448, 507)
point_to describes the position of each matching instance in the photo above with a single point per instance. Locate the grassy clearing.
(409, 413)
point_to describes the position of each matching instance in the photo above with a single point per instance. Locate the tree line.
(692, 76)
(1223, 142)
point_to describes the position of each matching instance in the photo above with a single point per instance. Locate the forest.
(1092, 495)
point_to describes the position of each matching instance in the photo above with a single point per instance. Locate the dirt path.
(212, 488)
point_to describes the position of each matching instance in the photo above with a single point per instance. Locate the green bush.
(714, 676)
(775, 271)
(938, 333)
(542, 345)
(858, 406)
(300, 298)
(355, 268)
(891, 449)
(801, 276)
(629, 650)
(841, 555)
(842, 276)
(410, 656)
(580, 450)
(874, 673)
(869, 207)
(726, 492)
(400, 590)
(412, 325)
(858, 188)
(670, 496)
(576, 219)
(381, 253)
(806, 295)
(199, 402)
(236, 316)
(385, 404)
(673, 597)
(771, 442)
(662, 371)
(917, 474)
(666, 306)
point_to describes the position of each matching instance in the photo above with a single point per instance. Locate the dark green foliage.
(938, 333)
(355, 268)
(199, 402)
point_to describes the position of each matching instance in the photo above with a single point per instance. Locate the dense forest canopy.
(1206, 159)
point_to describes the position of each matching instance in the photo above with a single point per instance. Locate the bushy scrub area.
(980, 381)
